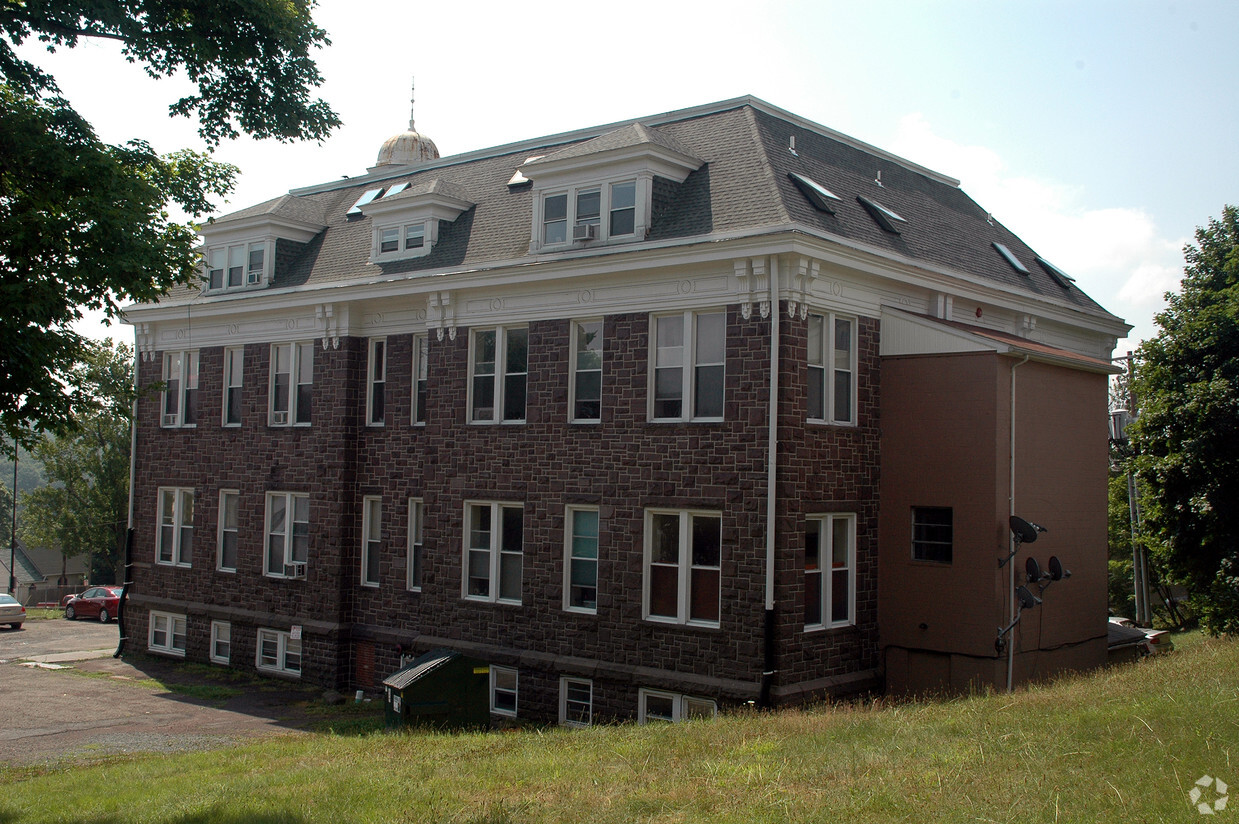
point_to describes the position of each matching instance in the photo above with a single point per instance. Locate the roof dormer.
(406, 218)
(238, 250)
(599, 191)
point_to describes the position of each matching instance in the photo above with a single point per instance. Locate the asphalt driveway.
(62, 696)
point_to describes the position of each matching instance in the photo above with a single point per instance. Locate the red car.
(96, 602)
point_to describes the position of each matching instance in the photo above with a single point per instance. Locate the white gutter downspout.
(1013, 547)
(772, 463)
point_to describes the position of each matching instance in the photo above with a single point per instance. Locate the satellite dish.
(1025, 532)
(1057, 573)
(1033, 569)
(1027, 599)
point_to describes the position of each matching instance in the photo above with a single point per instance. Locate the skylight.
(369, 196)
(884, 216)
(816, 193)
(1060, 277)
(517, 177)
(1010, 257)
(395, 190)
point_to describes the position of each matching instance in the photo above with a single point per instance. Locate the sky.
(1102, 132)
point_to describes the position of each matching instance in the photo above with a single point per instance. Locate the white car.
(1155, 640)
(11, 611)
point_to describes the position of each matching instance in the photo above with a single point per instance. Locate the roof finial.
(412, 97)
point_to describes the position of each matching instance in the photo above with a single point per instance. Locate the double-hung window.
(401, 241)
(594, 212)
(176, 527)
(498, 371)
(585, 387)
(832, 369)
(288, 535)
(221, 642)
(371, 539)
(180, 394)
(292, 383)
(377, 383)
(503, 686)
(581, 559)
(234, 366)
(683, 566)
(414, 561)
(241, 264)
(576, 702)
(229, 501)
(166, 633)
(421, 372)
(494, 538)
(656, 705)
(278, 652)
(830, 571)
(689, 354)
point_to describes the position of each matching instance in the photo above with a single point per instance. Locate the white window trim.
(643, 188)
(290, 499)
(564, 682)
(679, 704)
(829, 368)
(494, 671)
(501, 365)
(376, 375)
(248, 279)
(826, 571)
(370, 543)
(297, 350)
(416, 544)
(688, 367)
(169, 646)
(495, 551)
(176, 420)
(569, 530)
(572, 368)
(178, 525)
(223, 530)
(421, 361)
(217, 628)
(683, 580)
(283, 640)
(232, 383)
(430, 236)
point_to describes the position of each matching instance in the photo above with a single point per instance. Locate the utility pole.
(1120, 419)
(13, 532)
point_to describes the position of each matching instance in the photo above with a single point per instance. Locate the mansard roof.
(747, 147)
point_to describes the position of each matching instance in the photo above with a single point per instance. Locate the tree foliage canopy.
(1187, 434)
(84, 225)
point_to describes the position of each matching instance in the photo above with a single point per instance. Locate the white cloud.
(1118, 255)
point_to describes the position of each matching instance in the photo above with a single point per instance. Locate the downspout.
(1012, 548)
(133, 457)
(769, 658)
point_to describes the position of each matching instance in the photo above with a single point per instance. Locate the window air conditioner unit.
(279, 417)
(294, 570)
(169, 420)
(585, 231)
(254, 278)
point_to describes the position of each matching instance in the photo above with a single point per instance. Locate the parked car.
(1154, 642)
(11, 611)
(64, 602)
(96, 602)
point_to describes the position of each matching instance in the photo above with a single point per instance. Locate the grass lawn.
(1125, 744)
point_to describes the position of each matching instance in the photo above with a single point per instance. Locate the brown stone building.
(715, 407)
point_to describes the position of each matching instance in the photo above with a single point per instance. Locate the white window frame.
(684, 567)
(823, 576)
(285, 646)
(180, 529)
(689, 365)
(298, 351)
(683, 707)
(166, 623)
(574, 367)
(180, 377)
(234, 379)
(371, 543)
(570, 559)
(421, 373)
(499, 376)
(221, 632)
(606, 195)
(402, 251)
(564, 683)
(496, 672)
(495, 552)
(829, 366)
(416, 559)
(291, 567)
(222, 257)
(225, 529)
(376, 382)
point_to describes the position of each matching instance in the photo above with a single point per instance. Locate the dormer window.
(618, 201)
(236, 265)
(406, 219)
